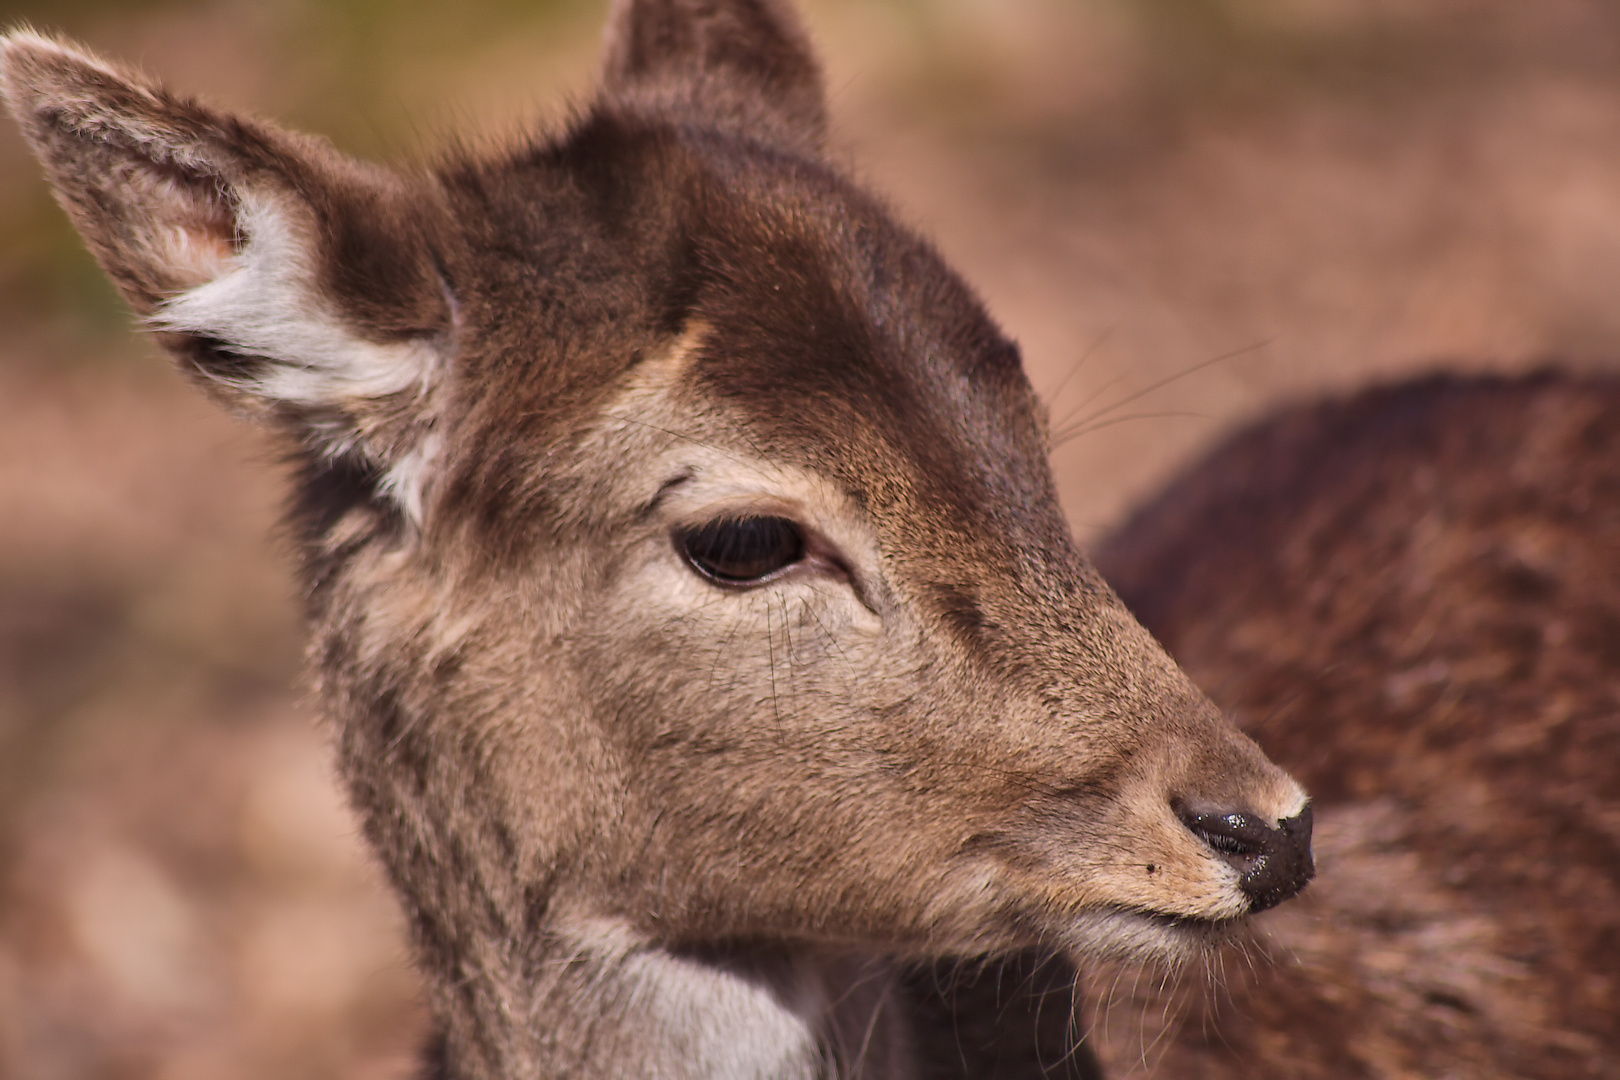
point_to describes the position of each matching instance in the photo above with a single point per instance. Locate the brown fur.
(1411, 598)
(643, 824)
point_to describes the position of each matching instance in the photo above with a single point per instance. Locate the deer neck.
(597, 1000)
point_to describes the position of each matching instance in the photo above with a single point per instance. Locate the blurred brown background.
(1306, 194)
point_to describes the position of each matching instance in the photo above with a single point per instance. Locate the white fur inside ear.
(261, 302)
(263, 305)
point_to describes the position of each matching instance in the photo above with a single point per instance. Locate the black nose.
(1273, 864)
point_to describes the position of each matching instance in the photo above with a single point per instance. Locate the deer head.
(690, 598)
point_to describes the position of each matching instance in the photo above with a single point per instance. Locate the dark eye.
(742, 550)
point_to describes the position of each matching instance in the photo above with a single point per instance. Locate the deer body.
(1412, 595)
(705, 650)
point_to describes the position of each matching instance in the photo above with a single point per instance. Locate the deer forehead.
(824, 324)
(679, 437)
(672, 453)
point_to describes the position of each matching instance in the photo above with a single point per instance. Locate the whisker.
(1086, 401)
(832, 640)
(1097, 343)
(1159, 384)
(1068, 435)
(770, 652)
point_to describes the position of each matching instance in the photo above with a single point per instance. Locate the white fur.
(405, 480)
(690, 1020)
(262, 306)
(259, 302)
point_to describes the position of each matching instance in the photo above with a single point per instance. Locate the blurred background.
(1186, 211)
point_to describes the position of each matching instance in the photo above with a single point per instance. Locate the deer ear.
(745, 64)
(293, 281)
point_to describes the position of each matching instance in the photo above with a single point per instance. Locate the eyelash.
(742, 550)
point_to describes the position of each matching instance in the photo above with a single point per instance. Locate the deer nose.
(1272, 863)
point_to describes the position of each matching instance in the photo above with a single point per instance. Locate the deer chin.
(1133, 935)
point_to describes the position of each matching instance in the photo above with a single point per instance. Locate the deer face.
(824, 629)
(680, 541)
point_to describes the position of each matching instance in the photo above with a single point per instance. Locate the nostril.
(1273, 864)
(1235, 834)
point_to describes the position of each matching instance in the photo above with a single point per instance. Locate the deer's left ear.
(292, 281)
(746, 65)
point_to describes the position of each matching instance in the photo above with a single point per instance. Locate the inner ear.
(740, 64)
(203, 234)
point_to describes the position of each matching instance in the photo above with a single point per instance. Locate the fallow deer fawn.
(1412, 597)
(705, 649)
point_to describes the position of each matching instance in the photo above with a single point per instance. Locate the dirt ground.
(1185, 210)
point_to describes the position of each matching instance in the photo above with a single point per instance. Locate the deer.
(706, 656)
(1410, 596)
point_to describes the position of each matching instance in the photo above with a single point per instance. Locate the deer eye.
(741, 550)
